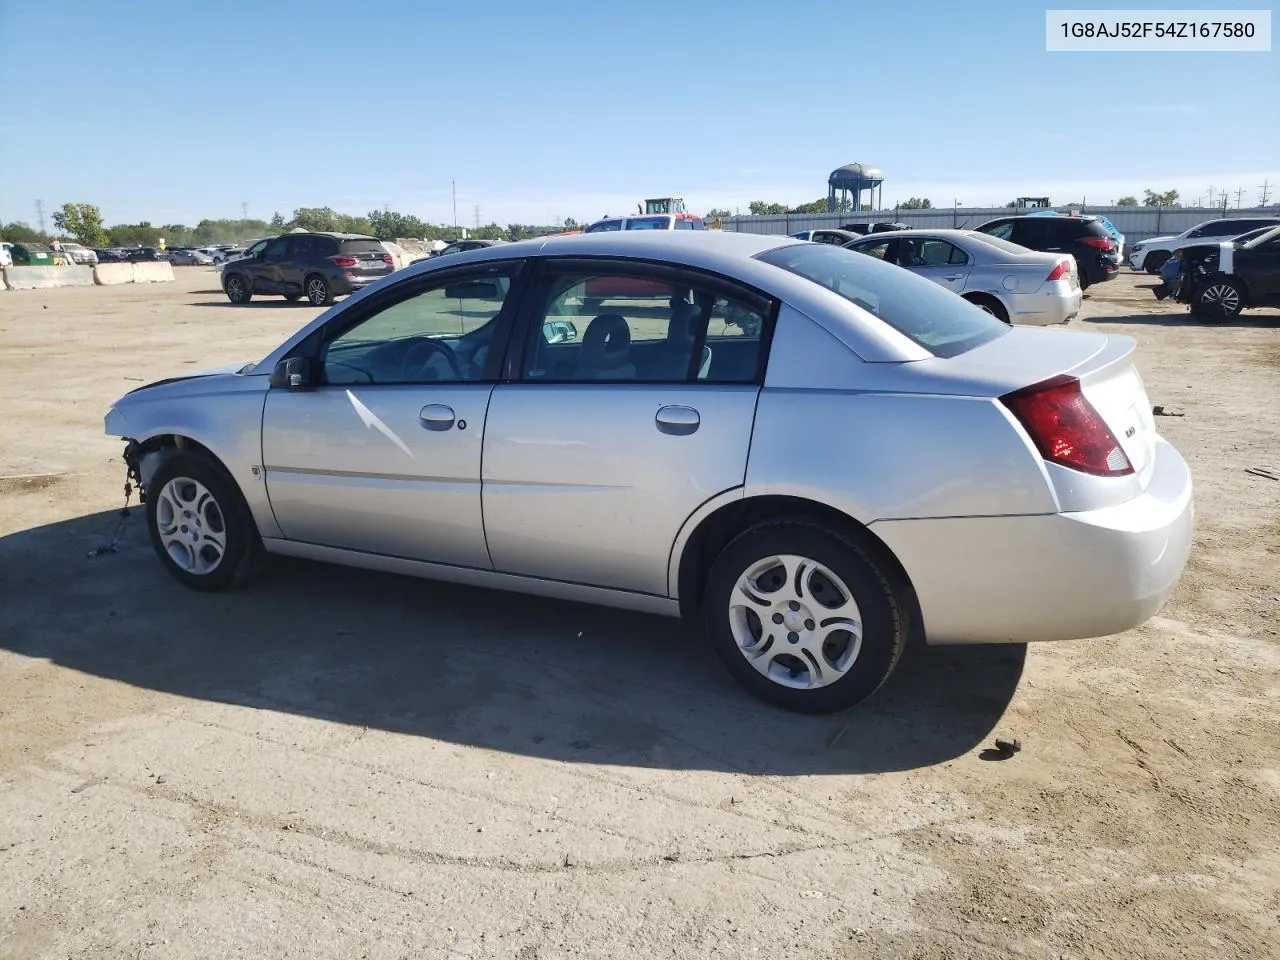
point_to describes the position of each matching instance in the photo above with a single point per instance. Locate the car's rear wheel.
(318, 292)
(200, 525)
(990, 305)
(803, 617)
(1154, 260)
(1219, 299)
(237, 288)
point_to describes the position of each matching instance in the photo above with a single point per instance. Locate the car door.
(597, 450)
(265, 270)
(379, 449)
(935, 259)
(1261, 269)
(301, 251)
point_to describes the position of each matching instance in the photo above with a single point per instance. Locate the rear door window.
(930, 315)
(1002, 229)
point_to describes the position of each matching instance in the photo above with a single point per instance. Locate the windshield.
(1272, 234)
(929, 315)
(649, 223)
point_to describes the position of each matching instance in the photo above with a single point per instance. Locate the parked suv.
(1096, 254)
(1150, 254)
(317, 265)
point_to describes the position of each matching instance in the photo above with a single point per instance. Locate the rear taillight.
(342, 260)
(1067, 429)
(386, 258)
(1102, 243)
(1061, 270)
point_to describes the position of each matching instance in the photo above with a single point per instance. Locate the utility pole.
(1239, 196)
(477, 217)
(453, 187)
(40, 214)
(244, 210)
(1266, 190)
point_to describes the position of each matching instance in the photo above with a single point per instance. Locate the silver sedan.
(800, 446)
(1009, 281)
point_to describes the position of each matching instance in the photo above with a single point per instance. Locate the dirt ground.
(337, 764)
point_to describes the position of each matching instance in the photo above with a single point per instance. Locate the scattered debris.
(1162, 411)
(839, 733)
(1263, 472)
(812, 894)
(1003, 750)
(91, 782)
(1009, 746)
(162, 779)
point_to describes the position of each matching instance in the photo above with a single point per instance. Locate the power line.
(1239, 196)
(1265, 187)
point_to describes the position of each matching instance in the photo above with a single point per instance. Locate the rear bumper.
(1059, 576)
(1057, 304)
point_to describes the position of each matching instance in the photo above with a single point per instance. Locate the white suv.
(1148, 255)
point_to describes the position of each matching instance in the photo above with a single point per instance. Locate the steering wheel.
(416, 357)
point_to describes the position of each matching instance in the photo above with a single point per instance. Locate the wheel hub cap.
(191, 526)
(795, 621)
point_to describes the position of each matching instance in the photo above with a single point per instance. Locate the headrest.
(607, 342)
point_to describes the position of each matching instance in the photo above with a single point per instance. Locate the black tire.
(237, 288)
(876, 590)
(1083, 275)
(1154, 260)
(291, 297)
(1219, 298)
(319, 293)
(243, 546)
(991, 305)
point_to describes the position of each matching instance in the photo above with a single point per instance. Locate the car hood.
(1150, 240)
(229, 369)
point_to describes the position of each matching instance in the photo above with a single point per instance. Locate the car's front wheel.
(199, 523)
(1219, 299)
(318, 292)
(237, 288)
(804, 617)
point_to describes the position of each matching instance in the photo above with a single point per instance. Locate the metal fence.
(1136, 223)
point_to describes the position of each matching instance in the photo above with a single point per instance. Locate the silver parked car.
(799, 445)
(1005, 279)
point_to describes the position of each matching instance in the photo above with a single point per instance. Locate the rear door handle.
(677, 419)
(955, 276)
(437, 416)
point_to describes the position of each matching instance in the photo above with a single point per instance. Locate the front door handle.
(955, 276)
(677, 419)
(437, 416)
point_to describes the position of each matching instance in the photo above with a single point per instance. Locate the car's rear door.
(598, 450)
(935, 259)
(382, 455)
(267, 269)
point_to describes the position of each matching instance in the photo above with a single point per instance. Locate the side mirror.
(559, 331)
(292, 374)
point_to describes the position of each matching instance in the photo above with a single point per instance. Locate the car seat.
(606, 350)
(682, 334)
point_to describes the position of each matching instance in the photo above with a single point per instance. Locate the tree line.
(83, 223)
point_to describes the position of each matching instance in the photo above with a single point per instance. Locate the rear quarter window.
(921, 310)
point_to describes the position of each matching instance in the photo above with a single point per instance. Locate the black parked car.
(138, 254)
(1085, 238)
(1218, 280)
(319, 266)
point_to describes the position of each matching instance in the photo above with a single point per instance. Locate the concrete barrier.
(41, 278)
(152, 271)
(106, 274)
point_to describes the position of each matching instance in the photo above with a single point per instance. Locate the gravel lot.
(338, 764)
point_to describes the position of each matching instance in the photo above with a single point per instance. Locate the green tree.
(387, 225)
(916, 203)
(1167, 199)
(715, 214)
(277, 221)
(20, 232)
(761, 208)
(813, 206)
(569, 224)
(83, 221)
(314, 218)
(1127, 202)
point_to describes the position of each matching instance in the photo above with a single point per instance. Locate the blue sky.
(171, 111)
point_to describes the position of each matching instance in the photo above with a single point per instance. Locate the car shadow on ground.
(477, 667)
(257, 302)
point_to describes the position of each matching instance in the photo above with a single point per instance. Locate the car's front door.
(302, 250)
(1262, 265)
(598, 449)
(382, 455)
(266, 268)
(935, 259)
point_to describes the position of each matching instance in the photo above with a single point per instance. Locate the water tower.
(852, 178)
